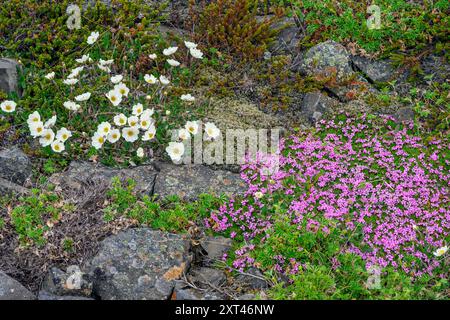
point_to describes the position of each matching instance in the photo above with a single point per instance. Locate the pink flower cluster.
(384, 188)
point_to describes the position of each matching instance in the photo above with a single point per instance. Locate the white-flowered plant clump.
(132, 122)
(44, 132)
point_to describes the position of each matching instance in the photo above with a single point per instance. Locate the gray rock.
(252, 279)
(139, 264)
(10, 188)
(327, 59)
(287, 38)
(8, 76)
(375, 71)
(437, 66)
(44, 295)
(207, 276)
(183, 292)
(73, 282)
(10, 289)
(404, 114)
(15, 166)
(90, 179)
(216, 247)
(315, 104)
(189, 181)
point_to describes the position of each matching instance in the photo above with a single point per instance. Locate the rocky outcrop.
(10, 289)
(374, 70)
(15, 166)
(139, 264)
(8, 75)
(89, 178)
(189, 181)
(15, 170)
(315, 105)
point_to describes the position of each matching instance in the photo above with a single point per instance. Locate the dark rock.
(73, 282)
(287, 38)
(189, 181)
(8, 76)
(327, 59)
(90, 179)
(375, 71)
(10, 289)
(139, 264)
(7, 187)
(44, 295)
(215, 247)
(437, 66)
(15, 166)
(404, 114)
(315, 104)
(207, 276)
(252, 279)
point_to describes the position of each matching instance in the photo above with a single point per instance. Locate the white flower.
(192, 127)
(145, 123)
(50, 122)
(133, 121)
(183, 134)
(169, 51)
(187, 97)
(175, 150)
(75, 72)
(104, 128)
(50, 76)
(190, 45)
(150, 79)
(120, 120)
(115, 97)
(211, 130)
(47, 137)
(164, 80)
(72, 106)
(93, 37)
(98, 140)
(116, 79)
(140, 152)
(259, 194)
(114, 135)
(70, 82)
(33, 118)
(148, 113)
(168, 112)
(173, 63)
(441, 251)
(84, 58)
(63, 134)
(122, 89)
(105, 62)
(130, 134)
(83, 97)
(58, 146)
(104, 68)
(150, 133)
(138, 109)
(196, 53)
(36, 129)
(152, 56)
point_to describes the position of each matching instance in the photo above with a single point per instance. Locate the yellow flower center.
(8, 107)
(48, 136)
(64, 136)
(122, 91)
(114, 136)
(39, 129)
(57, 147)
(101, 140)
(105, 130)
(130, 133)
(113, 98)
